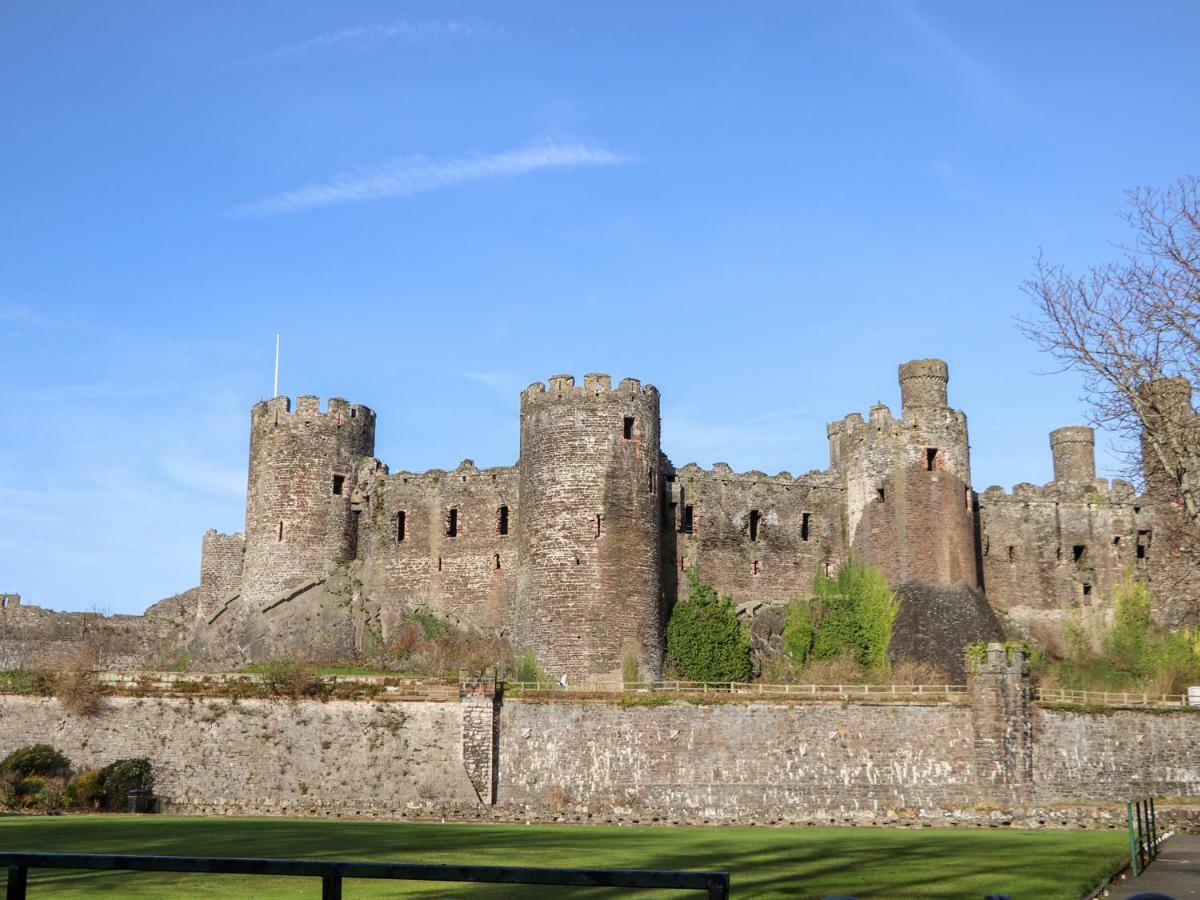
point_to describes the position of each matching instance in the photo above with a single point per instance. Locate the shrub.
(84, 791)
(79, 691)
(118, 778)
(526, 670)
(705, 640)
(856, 613)
(293, 678)
(798, 632)
(21, 791)
(1136, 653)
(36, 759)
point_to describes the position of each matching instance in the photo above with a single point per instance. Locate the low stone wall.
(734, 762)
(265, 757)
(683, 760)
(1121, 752)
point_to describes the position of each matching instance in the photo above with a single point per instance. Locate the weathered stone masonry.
(587, 759)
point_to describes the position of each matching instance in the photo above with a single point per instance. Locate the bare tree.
(1131, 327)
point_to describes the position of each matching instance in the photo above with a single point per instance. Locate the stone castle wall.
(409, 553)
(1047, 551)
(796, 532)
(592, 759)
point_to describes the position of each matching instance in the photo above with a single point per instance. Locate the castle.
(577, 551)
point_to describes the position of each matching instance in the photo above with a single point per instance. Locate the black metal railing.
(1143, 834)
(716, 884)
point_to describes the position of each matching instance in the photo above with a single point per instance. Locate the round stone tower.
(302, 469)
(923, 383)
(589, 591)
(1074, 450)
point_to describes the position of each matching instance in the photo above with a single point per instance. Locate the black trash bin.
(139, 801)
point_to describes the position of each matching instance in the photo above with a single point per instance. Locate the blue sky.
(762, 208)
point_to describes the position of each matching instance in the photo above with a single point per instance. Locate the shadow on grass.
(763, 862)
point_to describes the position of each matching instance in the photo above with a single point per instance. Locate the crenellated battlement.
(337, 411)
(1097, 490)
(723, 471)
(595, 384)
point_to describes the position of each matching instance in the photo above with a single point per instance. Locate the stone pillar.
(477, 696)
(1003, 751)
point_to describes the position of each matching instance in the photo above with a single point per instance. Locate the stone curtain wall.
(1081, 756)
(774, 565)
(469, 577)
(214, 757)
(750, 762)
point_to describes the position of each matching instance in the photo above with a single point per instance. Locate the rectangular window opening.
(754, 568)
(1087, 590)
(879, 494)
(281, 529)
(1079, 553)
(496, 561)
(339, 484)
(452, 522)
(628, 428)
(687, 523)
(1012, 553)
(805, 522)
(754, 515)
(599, 525)
(400, 517)
(502, 521)
(439, 564)
(931, 459)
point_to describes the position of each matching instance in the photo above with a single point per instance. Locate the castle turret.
(909, 504)
(923, 382)
(1074, 449)
(589, 591)
(1169, 425)
(302, 470)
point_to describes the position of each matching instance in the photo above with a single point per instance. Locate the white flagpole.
(276, 394)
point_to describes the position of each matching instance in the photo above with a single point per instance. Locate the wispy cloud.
(975, 73)
(414, 174)
(364, 37)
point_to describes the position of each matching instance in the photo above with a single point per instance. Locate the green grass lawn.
(764, 862)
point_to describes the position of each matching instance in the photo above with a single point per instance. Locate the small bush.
(294, 679)
(36, 759)
(856, 614)
(85, 791)
(79, 691)
(798, 632)
(705, 640)
(118, 778)
(526, 670)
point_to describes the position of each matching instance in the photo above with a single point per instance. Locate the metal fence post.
(1153, 831)
(1133, 846)
(1143, 832)
(17, 878)
(331, 886)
